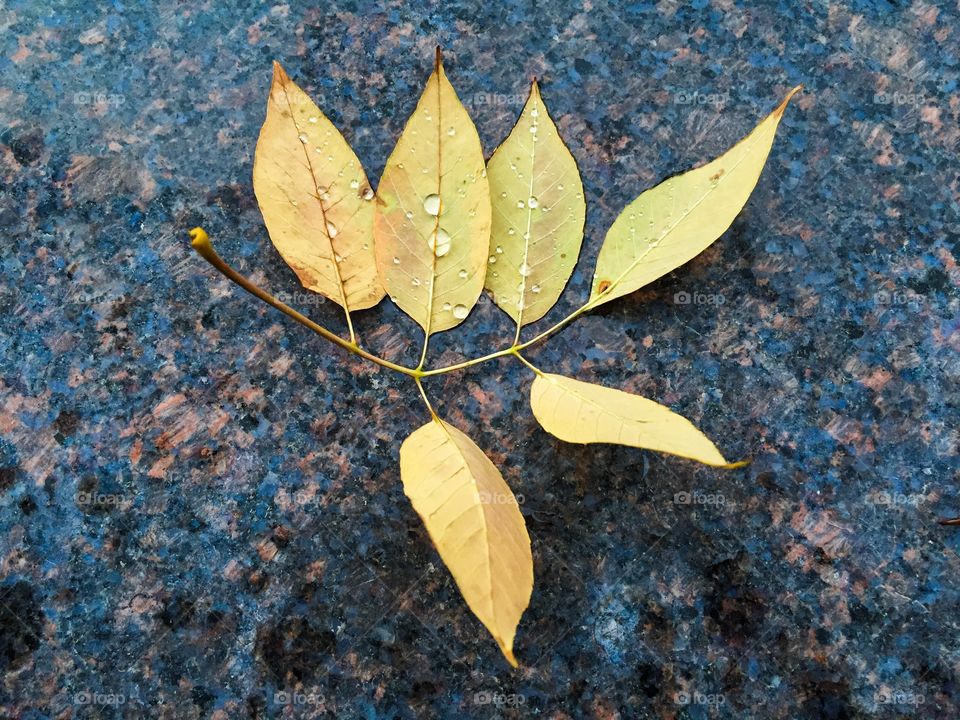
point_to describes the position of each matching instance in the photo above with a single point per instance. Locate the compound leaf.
(581, 412)
(475, 523)
(315, 199)
(673, 222)
(432, 223)
(538, 215)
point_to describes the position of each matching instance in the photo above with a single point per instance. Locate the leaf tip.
(279, 74)
(787, 99)
(507, 651)
(438, 60)
(736, 465)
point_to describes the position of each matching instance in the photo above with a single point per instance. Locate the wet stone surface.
(200, 507)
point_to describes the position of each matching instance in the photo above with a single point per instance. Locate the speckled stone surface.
(200, 507)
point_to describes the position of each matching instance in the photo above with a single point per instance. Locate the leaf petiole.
(200, 242)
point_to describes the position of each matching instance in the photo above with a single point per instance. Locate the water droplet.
(462, 274)
(338, 257)
(499, 250)
(559, 186)
(520, 303)
(367, 194)
(492, 260)
(521, 204)
(396, 261)
(503, 194)
(534, 113)
(460, 311)
(511, 231)
(312, 119)
(415, 282)
(524, 269)
(303, 138)
(533, 202)
(446, 306)
(431, 204)
(408, 215)
(451, 131)
(439, 242)
(331, 229)
(400, 166)
(533, 129)
(354, 184)
(535, 289)
(293, 202)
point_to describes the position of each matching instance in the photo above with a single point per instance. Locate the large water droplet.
(367, 194)
(396, 261)
(331, 229)
(460, 311)
(533, 202)
(524, 269)
(439, 242)
(492, 259)
(431, 204)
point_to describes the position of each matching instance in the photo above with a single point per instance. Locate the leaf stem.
(515, 347)
(201, 243)
(426, 400)
(521, 358)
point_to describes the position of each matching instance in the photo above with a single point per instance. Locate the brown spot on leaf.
(717, 175)
(604, 286)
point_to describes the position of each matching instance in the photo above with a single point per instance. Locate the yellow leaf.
(475, 523)
(315, 199)
(433, 212)
(580, 412)
(538, 215)
(676, 220)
